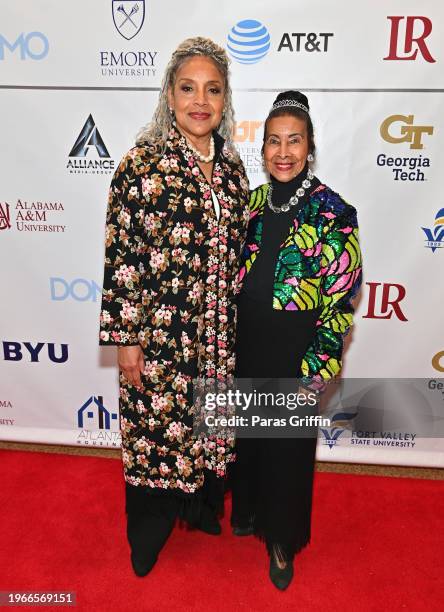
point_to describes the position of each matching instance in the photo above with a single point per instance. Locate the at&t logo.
(435, 236)
(248, 41)
(34, 46)
(398, 129)
(413, 38)
(90, 141)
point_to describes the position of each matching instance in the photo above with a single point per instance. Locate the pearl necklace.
(205, 159)
(306, 184)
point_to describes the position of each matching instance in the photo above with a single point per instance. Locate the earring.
(310, 157)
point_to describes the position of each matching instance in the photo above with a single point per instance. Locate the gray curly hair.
(156, 132)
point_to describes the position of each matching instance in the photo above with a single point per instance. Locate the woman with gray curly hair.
(176, 221)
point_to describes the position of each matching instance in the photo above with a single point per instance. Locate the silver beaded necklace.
(306, 184)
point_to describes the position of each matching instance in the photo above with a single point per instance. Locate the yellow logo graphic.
(404, 133)
(246, 131)
(438, 361)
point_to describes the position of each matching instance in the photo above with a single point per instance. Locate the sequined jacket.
(318, 266)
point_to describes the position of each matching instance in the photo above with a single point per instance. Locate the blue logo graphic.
(435, 237)
(248, 41)
(332, 434)
(128, 17)
(34, 46)
(95, 412)
(79, 289)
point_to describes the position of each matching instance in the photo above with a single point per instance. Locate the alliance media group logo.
(90, 142)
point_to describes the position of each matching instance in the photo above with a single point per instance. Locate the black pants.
(272, 478)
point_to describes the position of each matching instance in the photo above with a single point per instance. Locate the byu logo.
(5, 219)
(128, 17)
(435, 236)
(408, 132)
(89, 137)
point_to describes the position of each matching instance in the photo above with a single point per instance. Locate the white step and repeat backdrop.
(79, 72)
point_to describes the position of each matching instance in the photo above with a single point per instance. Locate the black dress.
(272, 479)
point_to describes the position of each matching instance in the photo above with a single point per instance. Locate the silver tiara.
(282, 103)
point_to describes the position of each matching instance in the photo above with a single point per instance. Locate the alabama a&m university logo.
(5, 219)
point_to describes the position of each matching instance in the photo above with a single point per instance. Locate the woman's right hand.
(131, 363)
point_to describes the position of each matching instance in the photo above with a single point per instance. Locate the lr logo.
(388, 306)
(410, 39)
(246, 130)
(408, 132)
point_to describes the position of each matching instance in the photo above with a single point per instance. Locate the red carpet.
(378, 544)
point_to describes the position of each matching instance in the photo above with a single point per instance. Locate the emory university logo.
(128, 17)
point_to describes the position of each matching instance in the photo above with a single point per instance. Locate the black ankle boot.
(141, 566)
(281, 578)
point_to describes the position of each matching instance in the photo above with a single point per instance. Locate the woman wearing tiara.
(301, 267)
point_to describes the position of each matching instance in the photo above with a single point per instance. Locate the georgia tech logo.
(438, 361)
(405, 133)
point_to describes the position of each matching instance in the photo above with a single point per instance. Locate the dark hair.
(293, 111)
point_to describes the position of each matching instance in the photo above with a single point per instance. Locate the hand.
(131, 363)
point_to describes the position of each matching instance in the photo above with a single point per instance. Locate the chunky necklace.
(202, 158)
(306, 184)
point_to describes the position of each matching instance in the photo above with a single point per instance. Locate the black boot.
(149, 524)
(281, 569)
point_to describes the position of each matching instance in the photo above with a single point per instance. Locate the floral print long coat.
(171, 274)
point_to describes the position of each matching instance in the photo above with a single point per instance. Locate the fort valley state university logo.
(435, 236)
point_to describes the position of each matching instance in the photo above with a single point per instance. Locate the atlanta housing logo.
(90, 142)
